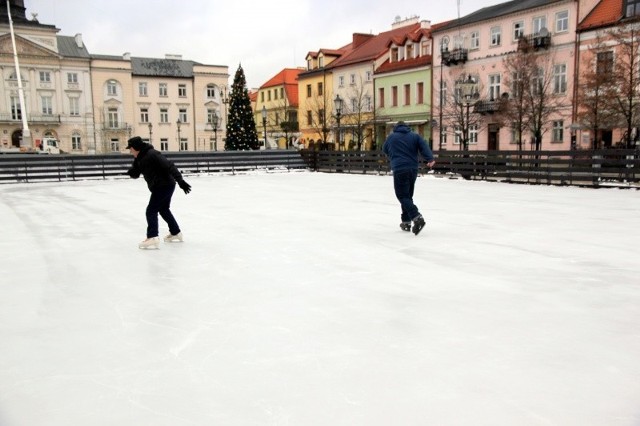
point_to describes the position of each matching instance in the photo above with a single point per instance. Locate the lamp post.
(225, 100)
(444, 49)
(214, 121)
(150, 131)
(470, 95)
(264, 125)
(337, 105)
(179, 140)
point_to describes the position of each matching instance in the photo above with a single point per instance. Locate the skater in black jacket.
(402, 147)
(161, 176)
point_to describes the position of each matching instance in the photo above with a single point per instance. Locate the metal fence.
(619, 168)
(40, 167)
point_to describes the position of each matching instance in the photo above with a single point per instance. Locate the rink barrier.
(42, 168)
(601, 168)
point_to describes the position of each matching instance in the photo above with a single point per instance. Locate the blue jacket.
(402, 147)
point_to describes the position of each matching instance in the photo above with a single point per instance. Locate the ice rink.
(296, 300)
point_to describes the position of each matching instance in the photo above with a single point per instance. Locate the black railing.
(455, 56)
(35, 167)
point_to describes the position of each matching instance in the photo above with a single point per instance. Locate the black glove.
(184, 186)
(133, 173)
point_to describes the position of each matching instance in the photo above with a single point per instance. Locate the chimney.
(359, 38)
(126, 56)
(78, 39)
(173, 56)
(426, 25)
(399, 22)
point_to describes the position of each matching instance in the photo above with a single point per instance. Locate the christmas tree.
(241, 126)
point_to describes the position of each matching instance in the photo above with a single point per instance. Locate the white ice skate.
(169, 238)
(150, 243)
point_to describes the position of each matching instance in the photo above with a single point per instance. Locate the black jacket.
(157, 170)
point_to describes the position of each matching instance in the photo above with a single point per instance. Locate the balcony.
(535, 41)
(46, 119)
(116, 127)
(455, 57)
(487, 107)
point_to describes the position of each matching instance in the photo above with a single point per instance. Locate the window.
(558, 131)
(368, 75)
(210, 114)
(115, 144)
(76, 144)
(184, 144)
(495, 36)
(539, 23)
(420, 92)
(47, 108)
(142, 89)
(407, 94)
(537, 82)
(352, 79)
(16, 111)
(457, 131)
(112, 88)
(211, 91)
(309, 118)
(516, 83)
(559, 78)
(604, 62)
(367, 103)
(394, 54)
(282, 93)
(473, 133)
(321, 61)
(381, 97)
(518, 30)
(409, 49)
(164, 115)
(45, 77)
(475, 40)
(182, 90)
(341, 81)
(308, 90)
(74, 107)
(443, 92)
(112, 118)
(562, 21)
(268, 95)
(354, 104)
(72, 78)
(321, 116)
(182, 115)
(394, 96)
(275, 94)
(494, 87)
(632, 8)
(261, 96)
(320, 89)
(309, 64)
(163, 90)
(164, 144)
(144, 115)
(444, 135)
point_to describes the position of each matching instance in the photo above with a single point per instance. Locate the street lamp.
(337, 105)
(470, 95)
(264, 125)
(225, 100)
(214, 122)
(150, 131)
(179, 140)
(444, 49)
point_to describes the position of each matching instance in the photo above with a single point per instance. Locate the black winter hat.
(136, 143)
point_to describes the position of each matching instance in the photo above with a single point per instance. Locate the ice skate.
(150, 243)
(418, 224)
(170, 238)
(405, 226)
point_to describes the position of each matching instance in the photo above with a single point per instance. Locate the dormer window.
(409, 51)
(321, 61)
(309, 64)
(394, 54)
(632, 8)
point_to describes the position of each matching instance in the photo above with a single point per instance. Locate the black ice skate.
(405, 226)
(418, 224)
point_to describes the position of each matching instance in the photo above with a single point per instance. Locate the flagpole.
(26, 133)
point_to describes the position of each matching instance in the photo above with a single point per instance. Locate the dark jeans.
(404, 182)
(159, 202)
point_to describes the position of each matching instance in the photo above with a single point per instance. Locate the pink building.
(480, 62)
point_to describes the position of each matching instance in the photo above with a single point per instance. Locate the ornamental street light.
(214, 122)
(444, 48)
(150, 131)
(264, 125)
(470, 95)
(337, 105)
(179, 140)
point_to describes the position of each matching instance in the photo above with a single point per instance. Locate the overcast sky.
(263, 36)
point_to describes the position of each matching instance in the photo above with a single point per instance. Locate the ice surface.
(297, 300)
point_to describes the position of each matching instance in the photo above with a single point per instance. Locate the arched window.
(76, 142)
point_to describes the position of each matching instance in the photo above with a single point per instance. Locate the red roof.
(369, 49)
(288, 78)
(404, 64)
(605, 13)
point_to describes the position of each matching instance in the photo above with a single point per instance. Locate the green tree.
(241, 126)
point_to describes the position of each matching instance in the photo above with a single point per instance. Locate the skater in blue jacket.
(402, 147)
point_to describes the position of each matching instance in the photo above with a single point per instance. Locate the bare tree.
(458, 111)
(519, 75)
(626, 102)
(358, 109)
(318, 112)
